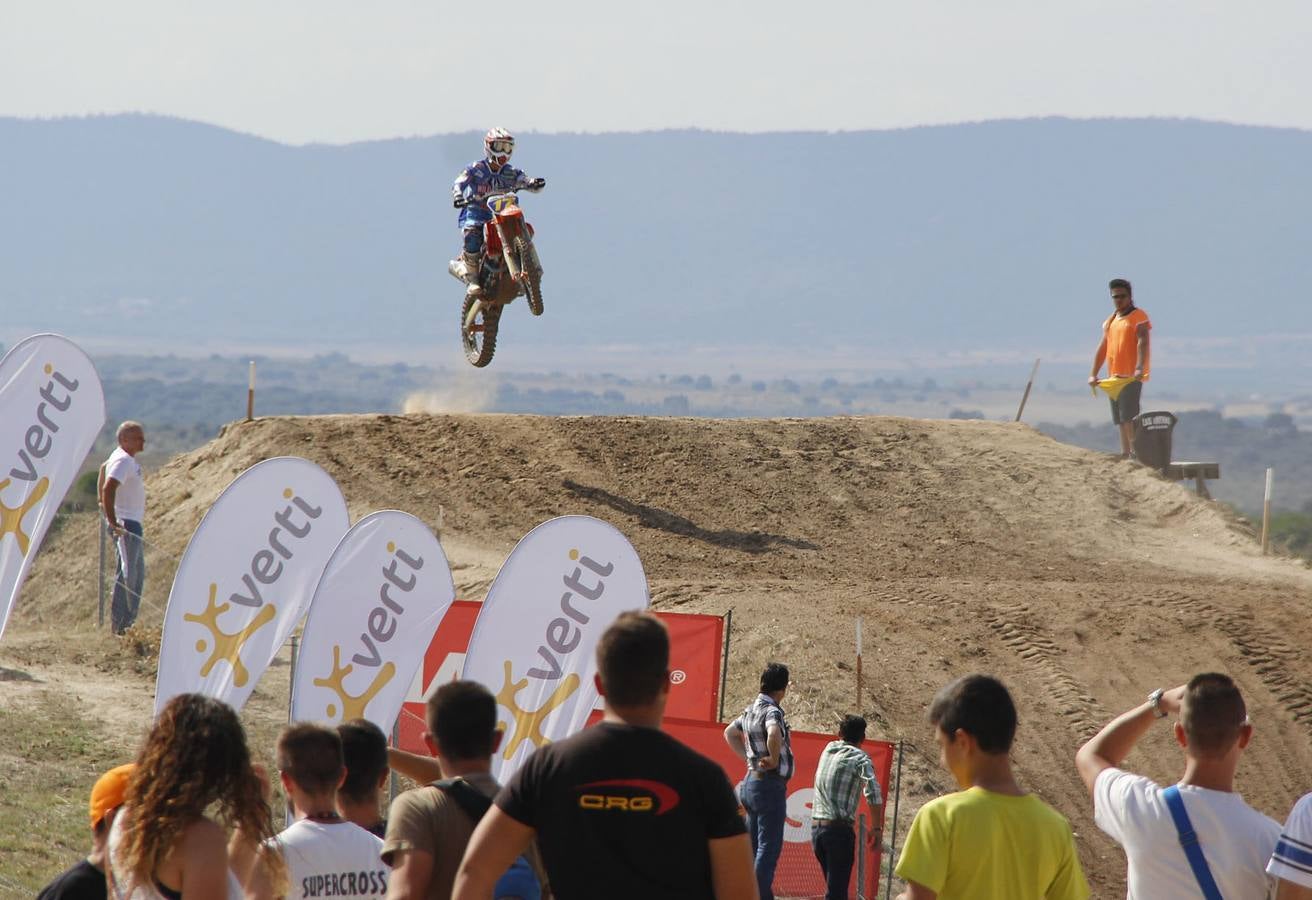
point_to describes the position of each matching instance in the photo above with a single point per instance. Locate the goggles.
(502, 148)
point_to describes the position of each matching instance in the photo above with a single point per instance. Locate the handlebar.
(536, 183)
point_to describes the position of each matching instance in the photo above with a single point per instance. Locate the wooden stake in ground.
(858, 665)
(1028, 386)
(1266, 511)
(250, 394)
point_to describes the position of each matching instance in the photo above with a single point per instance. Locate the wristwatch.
(1155, 700)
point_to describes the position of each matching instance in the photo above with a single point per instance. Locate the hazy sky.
(331, 70)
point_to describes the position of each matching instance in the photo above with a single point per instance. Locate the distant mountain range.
(969, 239)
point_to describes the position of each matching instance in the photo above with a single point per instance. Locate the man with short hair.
(1291, 863)
(1233, 841)
(843, 775)
(760, 738)
(621, 809)
(364, 753)
(1124, 347)
(86, 879)
(122, 494)
(991, 839)
(326, 855)
(427, 829)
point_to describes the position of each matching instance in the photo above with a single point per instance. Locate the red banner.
(798, 874)
(696, 646)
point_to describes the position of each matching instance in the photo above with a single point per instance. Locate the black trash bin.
(1152, 438)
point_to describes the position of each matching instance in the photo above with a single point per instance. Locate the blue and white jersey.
(477, 181)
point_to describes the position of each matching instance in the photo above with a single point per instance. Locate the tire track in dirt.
(1015, 626)
(1268, 654)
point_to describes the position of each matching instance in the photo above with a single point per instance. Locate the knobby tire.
(480, 346)
(532, 277)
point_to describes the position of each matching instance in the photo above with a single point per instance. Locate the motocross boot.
(473, 263)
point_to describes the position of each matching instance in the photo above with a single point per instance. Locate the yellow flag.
(1114, 386)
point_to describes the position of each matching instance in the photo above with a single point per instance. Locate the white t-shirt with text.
(333, 859)
(130, 498)
(1237, 840)
(1292, 860)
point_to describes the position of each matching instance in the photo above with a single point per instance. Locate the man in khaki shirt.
(427, 830)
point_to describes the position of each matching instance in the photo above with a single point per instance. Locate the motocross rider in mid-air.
(491, 175)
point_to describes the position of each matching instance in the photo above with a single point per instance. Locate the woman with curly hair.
(162, 845)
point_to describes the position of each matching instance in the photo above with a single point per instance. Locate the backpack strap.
(1184, 829)
(471, 801)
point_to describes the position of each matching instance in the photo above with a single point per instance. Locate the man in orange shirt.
(1124, 347)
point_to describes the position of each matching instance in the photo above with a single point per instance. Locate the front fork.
(508, 250)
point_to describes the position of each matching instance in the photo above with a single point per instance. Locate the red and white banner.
(696, 647)
(246, 579)
(378, 602)
(534, 641)
(51, 409)
(798, 873)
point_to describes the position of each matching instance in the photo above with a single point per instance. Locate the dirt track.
(1080, 580)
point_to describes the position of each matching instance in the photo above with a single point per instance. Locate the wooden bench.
(1199, 471)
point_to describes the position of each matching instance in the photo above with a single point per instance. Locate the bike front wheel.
(531, 276)
(480, 337)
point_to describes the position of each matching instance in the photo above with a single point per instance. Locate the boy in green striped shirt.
(844, 773)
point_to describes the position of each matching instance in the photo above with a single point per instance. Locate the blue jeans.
(131, 577)
(835, 850)
(766, 802)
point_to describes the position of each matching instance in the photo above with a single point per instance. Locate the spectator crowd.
(623, 810)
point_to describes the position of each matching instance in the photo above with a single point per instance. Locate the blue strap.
(1189, 843)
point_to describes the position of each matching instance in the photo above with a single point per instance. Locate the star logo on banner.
(11, 517)
(225, 646)
(353, 706)
(528, 724)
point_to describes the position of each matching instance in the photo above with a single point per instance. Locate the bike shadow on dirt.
(652, 517)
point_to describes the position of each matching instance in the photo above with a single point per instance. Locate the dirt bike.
(508, 239)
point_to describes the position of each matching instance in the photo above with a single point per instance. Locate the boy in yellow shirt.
(990, 840)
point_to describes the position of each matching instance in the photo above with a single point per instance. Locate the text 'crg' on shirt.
(624, 811)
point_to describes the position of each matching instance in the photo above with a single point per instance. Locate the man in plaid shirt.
(760, 737)
(844, 773)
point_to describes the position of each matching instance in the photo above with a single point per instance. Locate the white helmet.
(498, 144)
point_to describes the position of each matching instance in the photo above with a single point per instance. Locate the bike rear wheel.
(531, 278)
(480, 339)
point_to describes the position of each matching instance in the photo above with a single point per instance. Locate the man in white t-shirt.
(1292, 861)
(123, 504)
(325, 855)
(1236, 840)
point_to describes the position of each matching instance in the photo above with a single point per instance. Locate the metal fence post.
(724, 666)
(892, 844)
(861, 852)
(393, 783)
(291, 678)
(100, 574)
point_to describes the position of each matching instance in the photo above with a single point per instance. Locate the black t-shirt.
(82, 882)
(623, 811)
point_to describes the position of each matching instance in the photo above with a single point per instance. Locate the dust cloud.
(472, 392)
